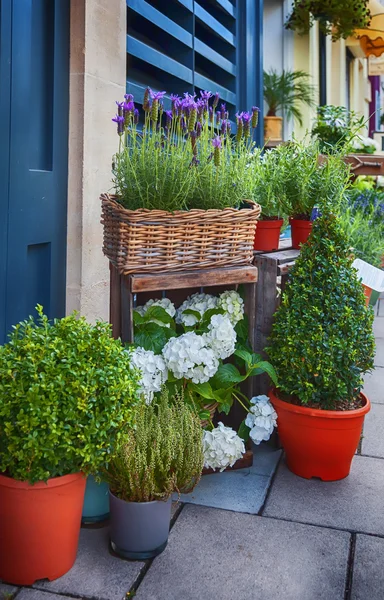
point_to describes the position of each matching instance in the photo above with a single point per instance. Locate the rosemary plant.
(161, 455)
(182, 158)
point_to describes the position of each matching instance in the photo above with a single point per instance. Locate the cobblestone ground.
(258, 534)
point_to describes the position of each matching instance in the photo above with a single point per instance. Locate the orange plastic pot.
(367, 294)
(319, 443)
(300, 231)
(39, 527)
(267, 235)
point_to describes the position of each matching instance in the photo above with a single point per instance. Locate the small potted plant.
(285, 91)
(66, 393)
(268, 177)
(161, 455)
(335, 128)
(181, 184)
(321, 345)
(96, 501)
(339, 18)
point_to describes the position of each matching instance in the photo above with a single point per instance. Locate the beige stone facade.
(97, 79)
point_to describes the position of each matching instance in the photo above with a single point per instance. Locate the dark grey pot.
(139, 530)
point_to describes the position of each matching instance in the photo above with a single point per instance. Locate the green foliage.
(335, 128)
(162, 454)
(286, 91)
(184, 159)
(339, 18)
(66, 394)
(269, 175)
(322, 340)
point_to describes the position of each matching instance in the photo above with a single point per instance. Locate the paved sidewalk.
(256, 534)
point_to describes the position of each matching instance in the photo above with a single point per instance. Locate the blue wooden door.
(34, 57)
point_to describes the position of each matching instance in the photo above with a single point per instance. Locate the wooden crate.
(273, 269)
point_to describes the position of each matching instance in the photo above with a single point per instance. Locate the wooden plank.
(365, 164)
(115, 302)
(185, 279)
(285, 268)
(126, 310)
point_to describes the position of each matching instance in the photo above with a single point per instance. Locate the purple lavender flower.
(128, 106)
(240, 126)
(169, 116)
(218, 118)
(175, 100)
(224, 127)
(229, 126)
(119, 108)
(247, 117)
(156, 104)
(216, 143)
(255, 116)
(193, 136)
(216, 100)
(120, 123)
(136, 116)
(199, 128)
(146, 104)
(157, 95)
(128, 97)
(194, 162)
(223, 110)
(205, 95)
(183, 124)
(210, 109)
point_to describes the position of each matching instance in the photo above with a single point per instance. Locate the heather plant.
(322, 341)
(162, 454)
(67, 390)
(182, 158)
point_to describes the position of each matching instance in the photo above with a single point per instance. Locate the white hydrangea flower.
(165, 303)
(153, 370)
(233, 304)
(197, 302)
(221, 336)
(189, 356)
(261, 419)
(222, 447)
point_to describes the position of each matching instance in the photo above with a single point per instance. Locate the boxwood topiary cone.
(322, 340)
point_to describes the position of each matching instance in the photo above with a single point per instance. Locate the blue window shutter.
(191, 45)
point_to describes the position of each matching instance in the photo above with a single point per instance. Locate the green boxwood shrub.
(66, 392)
(322, 340)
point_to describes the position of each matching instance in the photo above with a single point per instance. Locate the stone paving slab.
(97, 574)
(232, 556)
(379, 356)
(368, 572)
(6, 590)
(243, 490)
(378, 324)
(373, 439)
(374, 385)
(27, 594)
(354, 503)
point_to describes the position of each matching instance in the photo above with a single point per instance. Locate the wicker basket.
(148, 241)
(212, 409)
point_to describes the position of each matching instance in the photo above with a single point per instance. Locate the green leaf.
(138, 319)
(194, 313)
(265, 367)
(227, 376)
(158, 313)
(204, 389)
(242, 328)
(207, 316)
(225, 404)
(244, 431)
(152, 336)
(245, 355)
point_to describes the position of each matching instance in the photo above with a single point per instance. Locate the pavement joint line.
(176, 514)
(62, 594)
(272, 480)
(371, 456)
(350, 565)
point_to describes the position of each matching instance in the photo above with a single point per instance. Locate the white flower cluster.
(165, 303)
(233, 305)
(221, 336)
(197, 302)
(153, 370)
(222, 447)
(365, 144)
(189, 356)
(261, 419)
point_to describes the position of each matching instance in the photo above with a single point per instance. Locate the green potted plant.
(321, 345)
(161, 455)
(335, 128)
(268, 189)
(181, 181)
(66, 393)
(285, 91)
(339, 18)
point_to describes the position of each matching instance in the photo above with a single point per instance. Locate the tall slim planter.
(96, 501)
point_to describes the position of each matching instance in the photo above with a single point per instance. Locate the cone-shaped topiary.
(322, 340)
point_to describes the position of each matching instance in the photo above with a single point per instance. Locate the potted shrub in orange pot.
(66, 391)
(321, 345)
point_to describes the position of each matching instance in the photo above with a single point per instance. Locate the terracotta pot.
(273, 129)
(268, 235)
(39, 527)
(367, 294)
(300, 231)
(319, 443)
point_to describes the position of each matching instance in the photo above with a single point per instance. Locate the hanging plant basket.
(339, 18)
(147, 241)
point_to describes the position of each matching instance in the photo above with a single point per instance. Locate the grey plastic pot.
(139, 530)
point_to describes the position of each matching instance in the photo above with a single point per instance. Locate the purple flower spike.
(119, 108)
(205, 95)
(255, 116)
(157, 95)
(216, 100)
(136, 116)
(199, 128)
(128, 107)
(224, 126)
(183, 124)
(218, 118)
(169, 115)
(223, 110)
(120, 123)
(128, 97)
(247, 117)
(147, 94)
(216, 142)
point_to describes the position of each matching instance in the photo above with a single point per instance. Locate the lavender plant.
(182, 158)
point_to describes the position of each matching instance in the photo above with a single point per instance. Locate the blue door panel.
(37, 192)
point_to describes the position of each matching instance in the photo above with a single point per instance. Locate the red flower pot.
(319, 443)
(268, 235)
(367, 294)
(39, 527)
(300, 231)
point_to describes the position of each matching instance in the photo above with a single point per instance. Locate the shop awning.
(372, 37)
